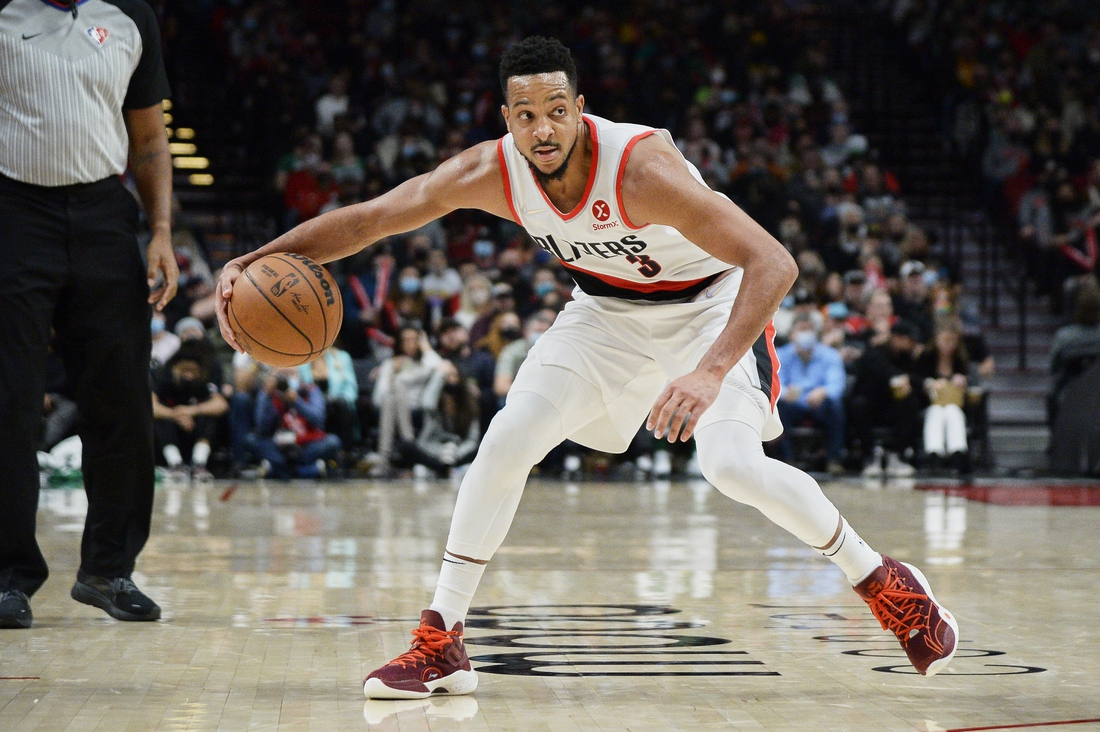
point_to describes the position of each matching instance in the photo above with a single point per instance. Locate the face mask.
(156, 325)
(293, 383)
(483, 248)
(804, 340)
(788, 302)
(409, 150)
(543, 289)
(462, 117)
(511, 334)
(410, 285)
(532, 337)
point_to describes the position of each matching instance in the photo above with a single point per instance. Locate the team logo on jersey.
(99, 35)
(601, 211)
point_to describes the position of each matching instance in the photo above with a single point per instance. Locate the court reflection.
(944, 528)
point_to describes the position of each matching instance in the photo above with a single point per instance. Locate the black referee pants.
(69, 259)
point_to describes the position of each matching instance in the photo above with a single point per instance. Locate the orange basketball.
(285, 309)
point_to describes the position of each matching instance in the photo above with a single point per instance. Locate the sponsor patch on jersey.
(601, 211)
(97, 34)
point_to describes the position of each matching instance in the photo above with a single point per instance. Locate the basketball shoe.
(435, 664)
(899, 596)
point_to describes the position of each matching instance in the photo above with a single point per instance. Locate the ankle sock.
(852, 555)
(458, 580)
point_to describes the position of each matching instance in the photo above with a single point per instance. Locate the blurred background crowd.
(332, 103)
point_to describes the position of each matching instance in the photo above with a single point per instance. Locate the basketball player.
(676, 287)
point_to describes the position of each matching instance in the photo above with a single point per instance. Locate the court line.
(1019, 726)
(20, 678)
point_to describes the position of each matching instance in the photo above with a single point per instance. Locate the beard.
(559, 172)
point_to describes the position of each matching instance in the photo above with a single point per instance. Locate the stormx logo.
(601, 211)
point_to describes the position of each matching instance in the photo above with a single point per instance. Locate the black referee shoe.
(15, 609)
(118, 596)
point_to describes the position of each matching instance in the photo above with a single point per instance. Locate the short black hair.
(537, 55)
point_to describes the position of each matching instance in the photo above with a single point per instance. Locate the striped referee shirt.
(64, 82)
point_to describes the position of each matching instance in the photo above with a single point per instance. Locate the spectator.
(409, 302)
(451, 432)
(506, 328)
(475, 301)
(441, 284)
(813, 382)
(165, 342)
(944, 367)
(886, 395)
(441, 280)
(192, 331)
(370, 318)
(475, 365)
(1076, 346)
(873, 329)
(399, 391)
(248, 378)
(306, 155)
(512, 355)
(332, 104)
(502, 301)
(347, 167)
(289, 436)
(913, 304)
(334, 374)
(187, 404)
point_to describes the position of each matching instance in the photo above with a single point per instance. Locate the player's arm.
(471, 179)
(658, 188)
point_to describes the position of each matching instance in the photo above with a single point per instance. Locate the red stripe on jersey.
(507, 180)
(619, 178)
(658, 286)
(769, 336)
(591, 177)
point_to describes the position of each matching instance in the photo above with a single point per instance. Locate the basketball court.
(612, 606)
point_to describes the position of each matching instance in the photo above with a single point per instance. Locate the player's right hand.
(224, 290)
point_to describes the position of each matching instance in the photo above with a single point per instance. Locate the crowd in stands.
(1023, 108)
(879, 367)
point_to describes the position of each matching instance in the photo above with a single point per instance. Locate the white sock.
(200, 454)
(172, 456)
(852, 555)
(458, 580)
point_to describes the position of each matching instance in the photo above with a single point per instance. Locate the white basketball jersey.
(607, 254)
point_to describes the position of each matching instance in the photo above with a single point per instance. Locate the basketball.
(285, 309)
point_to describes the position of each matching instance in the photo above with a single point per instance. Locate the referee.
(81, 86)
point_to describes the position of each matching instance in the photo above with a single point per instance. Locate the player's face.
(545, 119)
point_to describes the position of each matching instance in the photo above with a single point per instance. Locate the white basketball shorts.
(630, 350)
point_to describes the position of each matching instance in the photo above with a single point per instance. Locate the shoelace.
(429, 641)
(899, 609)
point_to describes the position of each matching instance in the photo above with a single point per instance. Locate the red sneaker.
(899, 596)
(435, 664)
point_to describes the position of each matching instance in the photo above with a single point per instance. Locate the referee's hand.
(162, 262)
(222, 292)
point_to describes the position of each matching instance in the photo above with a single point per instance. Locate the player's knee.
(524, 431)
(736, 473)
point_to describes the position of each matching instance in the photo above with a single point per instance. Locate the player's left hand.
(682, 403)
(162, 261)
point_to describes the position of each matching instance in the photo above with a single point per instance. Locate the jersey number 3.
(648, 267)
